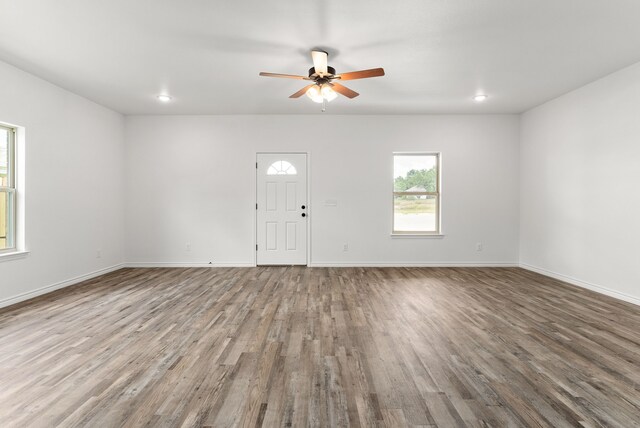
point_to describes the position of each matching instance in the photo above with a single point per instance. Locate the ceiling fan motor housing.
(330, 70)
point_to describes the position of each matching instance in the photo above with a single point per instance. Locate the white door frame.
(255, 201)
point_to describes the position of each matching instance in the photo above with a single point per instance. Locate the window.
(416, 193)
(7, 189)
(281, 168)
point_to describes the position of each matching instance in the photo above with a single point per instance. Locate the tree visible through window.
(7, 188)
(416, 193)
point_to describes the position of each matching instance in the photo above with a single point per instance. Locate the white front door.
(282, 209)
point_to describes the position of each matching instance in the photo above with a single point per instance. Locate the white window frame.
(11, 189)
(437, 194)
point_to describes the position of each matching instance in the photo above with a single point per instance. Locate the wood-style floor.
(323, 347)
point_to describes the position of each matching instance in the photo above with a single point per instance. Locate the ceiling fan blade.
(301, 92)
(343, 90)
(320, 61)
(362, 74)
(285, 76)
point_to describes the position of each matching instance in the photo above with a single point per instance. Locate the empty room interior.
(327, 214)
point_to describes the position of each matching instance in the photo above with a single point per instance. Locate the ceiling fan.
(325, 86)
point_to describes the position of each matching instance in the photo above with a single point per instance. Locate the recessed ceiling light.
(164, 98)
(480, 98)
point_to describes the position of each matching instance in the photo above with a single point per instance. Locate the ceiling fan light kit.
(328, 93)
(324, 87)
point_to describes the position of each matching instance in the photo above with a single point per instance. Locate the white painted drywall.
(191, 179)
(580, 178)
(74, 185)
(565, 173)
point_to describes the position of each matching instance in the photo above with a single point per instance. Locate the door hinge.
(256, 206)
(256, 165)
(256, 247)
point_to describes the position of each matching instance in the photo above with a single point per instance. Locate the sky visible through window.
(403, 164)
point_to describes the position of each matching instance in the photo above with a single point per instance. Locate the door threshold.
(280, 265)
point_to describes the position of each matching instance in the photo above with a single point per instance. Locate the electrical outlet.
(188, 246)
(98, 254)
(479, 246)
(345, 247)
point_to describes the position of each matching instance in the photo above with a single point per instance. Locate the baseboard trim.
(414, 264)
(58, 285)
(583, 284)
(571, 280)
(184, 265)
(327, 264)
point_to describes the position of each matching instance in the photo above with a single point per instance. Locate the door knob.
(304, 215)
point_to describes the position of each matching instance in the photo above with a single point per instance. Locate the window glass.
(6, 219)
(416, 193)
(7, 190)
(4, 157)
(415, 173)
(414, 213)
(281, 168)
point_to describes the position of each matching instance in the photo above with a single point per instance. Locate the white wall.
(192, 179)
(74, 185)
(555, 189)
(580, 178)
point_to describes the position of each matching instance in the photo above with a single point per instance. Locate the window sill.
(13, 255)
(417, 235)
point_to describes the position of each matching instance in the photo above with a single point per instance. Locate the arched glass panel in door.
(281, 168)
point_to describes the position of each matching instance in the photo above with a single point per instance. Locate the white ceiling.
(207, 54)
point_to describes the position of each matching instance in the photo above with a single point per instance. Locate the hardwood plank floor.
(294, 346)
